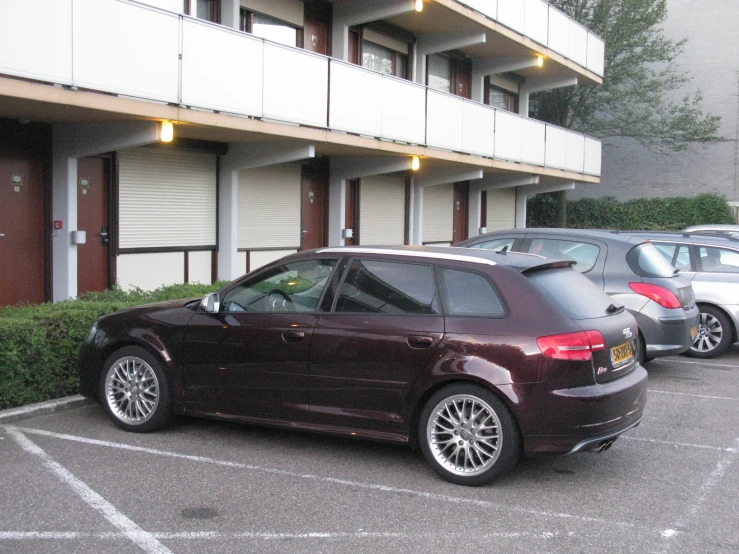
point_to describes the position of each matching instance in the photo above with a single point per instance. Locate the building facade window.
(268, 28)
(440, 73)
(502, 99)
(384, 60)
(209, 10)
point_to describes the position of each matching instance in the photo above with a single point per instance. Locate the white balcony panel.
(596, 54)
(295, 85)
(356, 100)
(556, 147)
(445, 114)
(537, 20)
(533, 141)
(575, 152)
(512, 13)
(508, 136)
(36, 39)
(485, 7)
(208, 77)
(479, 129)
(592, 156)
(127, 49)
(403, 110)
(169, 5)
(559, 32)
(578, 50)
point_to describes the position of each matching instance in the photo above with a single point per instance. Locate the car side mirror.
(211, 303)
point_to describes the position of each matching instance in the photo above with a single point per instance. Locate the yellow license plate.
(622, 353)
(693, 332)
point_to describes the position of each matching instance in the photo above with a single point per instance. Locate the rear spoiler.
(550, 265)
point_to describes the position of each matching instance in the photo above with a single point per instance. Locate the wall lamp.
(415, 163)
(539, 60)
(167, 131)
(418, 5)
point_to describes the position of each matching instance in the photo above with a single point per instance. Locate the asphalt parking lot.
(72, 482)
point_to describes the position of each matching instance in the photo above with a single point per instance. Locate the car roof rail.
(687, 234)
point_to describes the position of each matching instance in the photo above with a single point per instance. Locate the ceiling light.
(539, 61)
(167, 131)
(415, 163)
(418, 5)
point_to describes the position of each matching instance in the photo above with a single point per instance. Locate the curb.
(48, 407)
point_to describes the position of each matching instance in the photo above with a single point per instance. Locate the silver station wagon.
(711, 262)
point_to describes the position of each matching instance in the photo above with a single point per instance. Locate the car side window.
(470, 294)
(393, 288)
(667, 250)
(682, 259)
(719, 260)
(293, 287)
(496, 244)
(584, 253)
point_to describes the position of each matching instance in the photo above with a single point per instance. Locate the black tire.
(134, 390)
(715, 333)
(641, 346)
(496, 451)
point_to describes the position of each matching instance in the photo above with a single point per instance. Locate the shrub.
(638, 214)
(39, 344)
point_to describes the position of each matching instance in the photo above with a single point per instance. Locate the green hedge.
(39, 344)
(639, 213)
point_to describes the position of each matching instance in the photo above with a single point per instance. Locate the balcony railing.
(127, 48)
(548, 26)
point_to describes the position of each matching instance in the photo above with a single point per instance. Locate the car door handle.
(293, 336)
(420, 341)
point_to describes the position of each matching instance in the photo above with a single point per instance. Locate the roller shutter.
(269, 207)
(382, 210)
(290, 11)
(501, 209)
(166, 198)
(438, 213)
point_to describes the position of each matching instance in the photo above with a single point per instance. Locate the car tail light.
(572, 346)
(662, 296)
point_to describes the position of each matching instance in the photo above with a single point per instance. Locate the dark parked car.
(475, 355)
(628, 268)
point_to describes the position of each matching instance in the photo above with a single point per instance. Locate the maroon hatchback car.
(476, 356)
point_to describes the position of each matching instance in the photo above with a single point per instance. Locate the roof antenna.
(503, 250)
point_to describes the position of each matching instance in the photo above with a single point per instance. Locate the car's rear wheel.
(715, 333)
(134, 390)
(468, 435)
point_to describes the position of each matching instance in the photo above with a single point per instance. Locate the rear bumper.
(666, 334)
(582, 417)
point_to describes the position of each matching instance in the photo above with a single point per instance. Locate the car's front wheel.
(134, 390)
(715, 333)
(468, 435)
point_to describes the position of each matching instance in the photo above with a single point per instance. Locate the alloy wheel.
(132, 390)
(710, 333)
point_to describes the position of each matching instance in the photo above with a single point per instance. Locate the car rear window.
(571, 292)
(645, 260)
(470, 294)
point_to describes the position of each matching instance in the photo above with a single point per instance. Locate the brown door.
(463, 84)
(93, 176)
(313, 210)
(21, 225)
(351, 213)
(461, 198)
(315, 36)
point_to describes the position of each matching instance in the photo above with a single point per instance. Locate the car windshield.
(571, 292)
(646, 261)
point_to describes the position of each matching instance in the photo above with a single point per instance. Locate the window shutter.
(438, 213)
(382, 210)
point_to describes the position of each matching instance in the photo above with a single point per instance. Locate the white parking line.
(130, 530)
(681, 444)
(344, 482)
(675, 361)
(693, 395)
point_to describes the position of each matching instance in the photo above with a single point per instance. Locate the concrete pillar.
(538, 84)
(475, 210)
(521, 201)
(482, 68)
(230, 13)
(417, 210)
(336, 208)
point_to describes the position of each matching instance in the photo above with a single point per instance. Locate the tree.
(638, 98)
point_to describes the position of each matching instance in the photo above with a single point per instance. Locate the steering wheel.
(279, 301)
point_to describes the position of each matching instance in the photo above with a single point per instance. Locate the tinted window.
(295, 287)
(646, 260)
(719, 260)
(388, 288)
(470, 294)
(496, 244)
(585, 254)
(571, 292)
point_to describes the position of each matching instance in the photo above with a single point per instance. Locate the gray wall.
(711, 57)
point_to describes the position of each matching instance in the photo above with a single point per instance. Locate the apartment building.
(169, 141)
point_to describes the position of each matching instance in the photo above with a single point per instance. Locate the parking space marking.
(215, 535)
(131, 531)
(693, 395)
(682, 444)
(709, 364)
(322, 479)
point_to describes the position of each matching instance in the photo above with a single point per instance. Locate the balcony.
(548, 26)
(126, 48)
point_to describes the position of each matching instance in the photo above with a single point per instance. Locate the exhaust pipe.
(605, 445)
